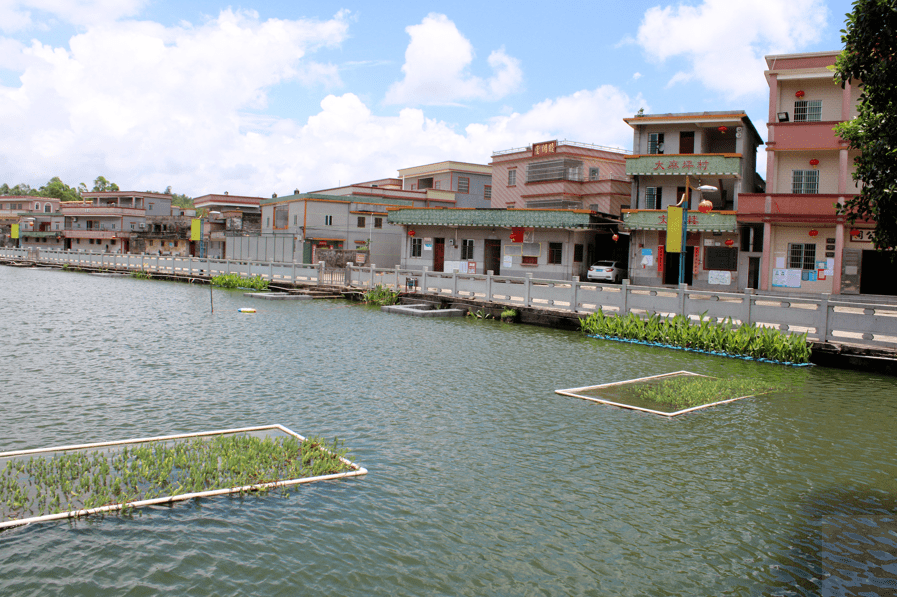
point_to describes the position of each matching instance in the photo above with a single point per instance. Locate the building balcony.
(796, 136)
(96, 233)
(787, 207)
(684, 164)
(97, 211)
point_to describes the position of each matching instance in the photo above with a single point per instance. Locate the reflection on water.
(482, 480)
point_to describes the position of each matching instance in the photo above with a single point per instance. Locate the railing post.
(824, 309)
(574, 289)
(424, 279)
(371, 285)
(227, 265)
(527, 288)
(396, 287)
(348, 280)
(748, 307)
(190, 265)
(454, 282)
(624, 298)
(489, 275)
(682, 290)
(320, 273)
(293, 273)
(271, 271)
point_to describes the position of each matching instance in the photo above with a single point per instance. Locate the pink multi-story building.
(561, 175)
(797, 239)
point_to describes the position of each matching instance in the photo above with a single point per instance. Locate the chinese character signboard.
(674, 229)
(195, 229)
(544, 148)
(697, 165)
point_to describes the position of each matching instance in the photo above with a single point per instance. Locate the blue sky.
(269, 97)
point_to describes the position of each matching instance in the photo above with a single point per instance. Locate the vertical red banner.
(660, 258)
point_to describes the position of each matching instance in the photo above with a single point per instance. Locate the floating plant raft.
(72, 481)
(667, 394)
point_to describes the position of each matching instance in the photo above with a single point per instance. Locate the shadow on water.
(843, 542)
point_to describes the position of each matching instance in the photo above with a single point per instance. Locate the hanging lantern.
(799, 94)
(814, 162)
(729, 242)
(705, 206)
(722, 129)
(814, 232)
(615, 237)
(855, 233)
(411, 233)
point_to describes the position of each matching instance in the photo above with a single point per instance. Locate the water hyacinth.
(724, 337)
(236, 281)
(83, 479)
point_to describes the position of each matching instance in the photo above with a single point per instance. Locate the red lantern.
(855, 233)
(722, 129)
(729, 242)
(615, 237)
(411, 233)
(705, 206)
(814, 232)
(799, 94)
(814, 162)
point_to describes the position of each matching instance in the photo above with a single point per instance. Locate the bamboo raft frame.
(574, 392)
(357, 471)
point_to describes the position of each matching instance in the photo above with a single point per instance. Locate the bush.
(746, 340)
(380, 295)
(236, 281)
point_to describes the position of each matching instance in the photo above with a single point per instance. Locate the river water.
(482, 480)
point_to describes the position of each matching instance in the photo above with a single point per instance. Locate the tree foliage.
(870, 59)
(102, 185)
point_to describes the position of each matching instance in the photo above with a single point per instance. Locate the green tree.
(19, 189)
(101, 185)
(870, 58)
(58, 189)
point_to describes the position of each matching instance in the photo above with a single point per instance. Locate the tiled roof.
(526, 218)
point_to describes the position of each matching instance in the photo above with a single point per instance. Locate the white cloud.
(724, 42)
(16, 15)
(149, 106)
(437, 65)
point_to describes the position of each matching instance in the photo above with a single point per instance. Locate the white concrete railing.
(287, 273)
(824, 319)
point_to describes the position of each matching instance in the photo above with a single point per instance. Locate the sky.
(268, 97)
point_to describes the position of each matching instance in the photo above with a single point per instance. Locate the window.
(594, 173)
(467, 248)
(804, 182)
(267, 222)
(577, 253)
(133, 225)
(47, 208)
(487, 192)
(362, 221)
(721, 258)
(655, 142)
(425, 183)
(295, 220)
(281, 216)
(37, 207)
(378, 222)
(555, 252)
(808, 111)
(150, 207)
(416, 246)
(437, 184)
(529, 260)
(512, 178)
(802, 256)
(328, 220)
(653, 197)
(554, 170)
(463, 185)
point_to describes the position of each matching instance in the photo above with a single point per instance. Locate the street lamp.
(681, 210)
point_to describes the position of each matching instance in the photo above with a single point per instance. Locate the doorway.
(438, 254)
(874, 278)
(753, 276)
(671, 266)
(492, 257)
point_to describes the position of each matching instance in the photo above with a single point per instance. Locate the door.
(753, 277)
(671, 266)
(493, 256)
(438, 254)
(875, 280)
(687, 142)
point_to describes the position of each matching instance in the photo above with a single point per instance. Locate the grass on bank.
(84, 479)
(746, 340)
(237, 281)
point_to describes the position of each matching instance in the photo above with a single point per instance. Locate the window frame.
(594, 173)
(362, 222)
(378, 222)
(417, 246)
(328, 220)
(512, 177)
(487, 192)
(655, 140)
(466, 186)
(808, 110)
(802, 253)
(805, 186)
(467, 248)
(555, 253)
(656, 195)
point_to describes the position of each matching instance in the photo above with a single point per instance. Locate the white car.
(606, 271)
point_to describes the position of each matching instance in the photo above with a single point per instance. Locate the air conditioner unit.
(74, 219)
(142, 225)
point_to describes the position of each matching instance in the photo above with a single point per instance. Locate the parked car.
(606, 271)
